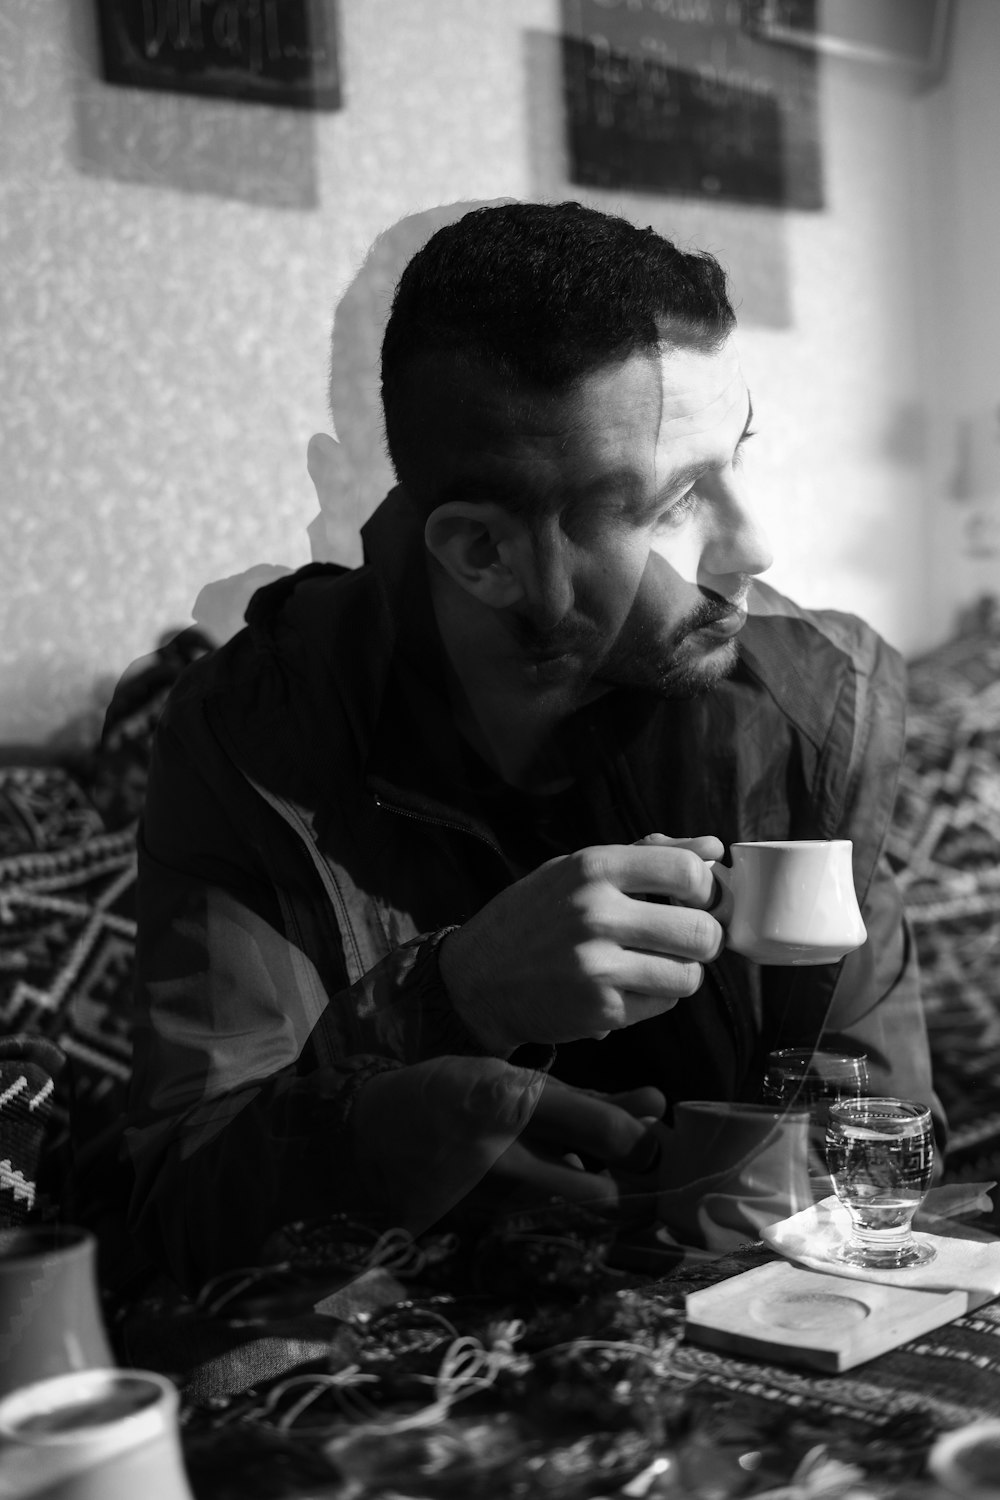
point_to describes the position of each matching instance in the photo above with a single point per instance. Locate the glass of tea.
(880, 1155)
(805, 1078)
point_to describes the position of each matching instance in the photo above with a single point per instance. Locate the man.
(426, 890)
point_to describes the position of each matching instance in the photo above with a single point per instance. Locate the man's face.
(652, 548)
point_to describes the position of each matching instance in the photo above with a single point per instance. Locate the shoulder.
(319, 635)
(821, 666)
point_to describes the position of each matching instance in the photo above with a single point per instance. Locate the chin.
(688, 671)
(692, 679)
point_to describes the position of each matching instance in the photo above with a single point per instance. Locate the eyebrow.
(689, 474)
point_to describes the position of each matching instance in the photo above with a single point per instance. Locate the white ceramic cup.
(728, 1169)
(50, 1310)
(92, 1435)
(790, 901)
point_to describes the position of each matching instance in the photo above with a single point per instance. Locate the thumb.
(705, 846)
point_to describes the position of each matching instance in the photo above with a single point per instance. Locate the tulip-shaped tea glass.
(804, 1078)
(807, 1077)
(880, 1153)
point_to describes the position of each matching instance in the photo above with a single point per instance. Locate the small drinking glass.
(805, 1077)
(880, 1153)
(802, 1078)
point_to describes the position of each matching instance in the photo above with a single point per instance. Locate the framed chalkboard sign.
(265, 51)
(677, 97)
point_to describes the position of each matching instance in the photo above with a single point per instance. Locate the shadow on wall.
(351, 472)
(356, 473)
(256, 154)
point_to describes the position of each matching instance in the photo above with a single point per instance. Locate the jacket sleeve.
(247, 1059)
(877, 1002)
(874, 999)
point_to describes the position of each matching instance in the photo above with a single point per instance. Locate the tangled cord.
(467, 1367)
(396, 1251)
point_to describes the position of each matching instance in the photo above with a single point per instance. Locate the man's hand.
(429, 1137)
(614, 1132)
(573, 949)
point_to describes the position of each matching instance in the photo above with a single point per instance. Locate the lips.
(726, 625)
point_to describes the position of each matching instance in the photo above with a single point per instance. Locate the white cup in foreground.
(92, 1435)
(790, 901)
(50, 1309)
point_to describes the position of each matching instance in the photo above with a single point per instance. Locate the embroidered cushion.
(945, 844)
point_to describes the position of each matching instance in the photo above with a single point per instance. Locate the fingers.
(572, 1125)
(652, 869)
(537, 1179)
(540, 1178)
(575, 950)
(607, 915)
(568, 1119)
(616, 969)
(682, 931)
(646, 1102)
(706, 847)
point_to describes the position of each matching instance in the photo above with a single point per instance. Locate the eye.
(680, 509)
(738, 455)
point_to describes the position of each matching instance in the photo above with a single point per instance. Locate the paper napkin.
(812, 1237)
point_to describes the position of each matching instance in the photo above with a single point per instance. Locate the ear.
(328, 470)
(479, 544)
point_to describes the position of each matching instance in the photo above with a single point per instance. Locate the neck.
(502, 705)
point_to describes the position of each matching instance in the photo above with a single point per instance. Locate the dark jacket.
(314, 822)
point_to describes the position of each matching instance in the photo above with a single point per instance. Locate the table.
(532, 1360)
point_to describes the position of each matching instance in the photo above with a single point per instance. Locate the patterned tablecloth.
(529, 1363)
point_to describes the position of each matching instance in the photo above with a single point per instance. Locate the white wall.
(170, 266)
(958, 313)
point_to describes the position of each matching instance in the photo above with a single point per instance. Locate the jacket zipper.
(405, 812)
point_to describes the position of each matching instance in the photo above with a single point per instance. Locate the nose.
(735, 543)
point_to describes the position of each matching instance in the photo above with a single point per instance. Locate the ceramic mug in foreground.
(790, 901)
(50, 1311)
(93, 1435)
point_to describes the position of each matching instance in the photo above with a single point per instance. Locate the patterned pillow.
(28, 1069)
(67, 907)
(67, 938)
(945, 844)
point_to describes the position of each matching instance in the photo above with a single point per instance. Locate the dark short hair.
(541, 294)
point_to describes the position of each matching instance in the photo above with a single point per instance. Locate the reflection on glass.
(802, 1078)
(808, 1078)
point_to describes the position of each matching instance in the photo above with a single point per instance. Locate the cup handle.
(722, 907)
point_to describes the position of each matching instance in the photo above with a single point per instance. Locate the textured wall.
(170, 266)
(958, 296)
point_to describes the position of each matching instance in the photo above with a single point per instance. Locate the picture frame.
(279, 52)
(910, 35)
(688, 104)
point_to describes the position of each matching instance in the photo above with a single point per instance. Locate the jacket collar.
(415, 757)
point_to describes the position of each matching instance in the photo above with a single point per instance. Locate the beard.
(679, 663)
(673, 662)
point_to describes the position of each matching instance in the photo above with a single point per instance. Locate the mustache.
(550, 644)
(714, 607)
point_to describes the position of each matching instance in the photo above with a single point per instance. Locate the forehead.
(625, 427)
(658, 415)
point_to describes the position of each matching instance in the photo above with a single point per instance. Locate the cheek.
(678, 556)
(664, 592)
(608, 586)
